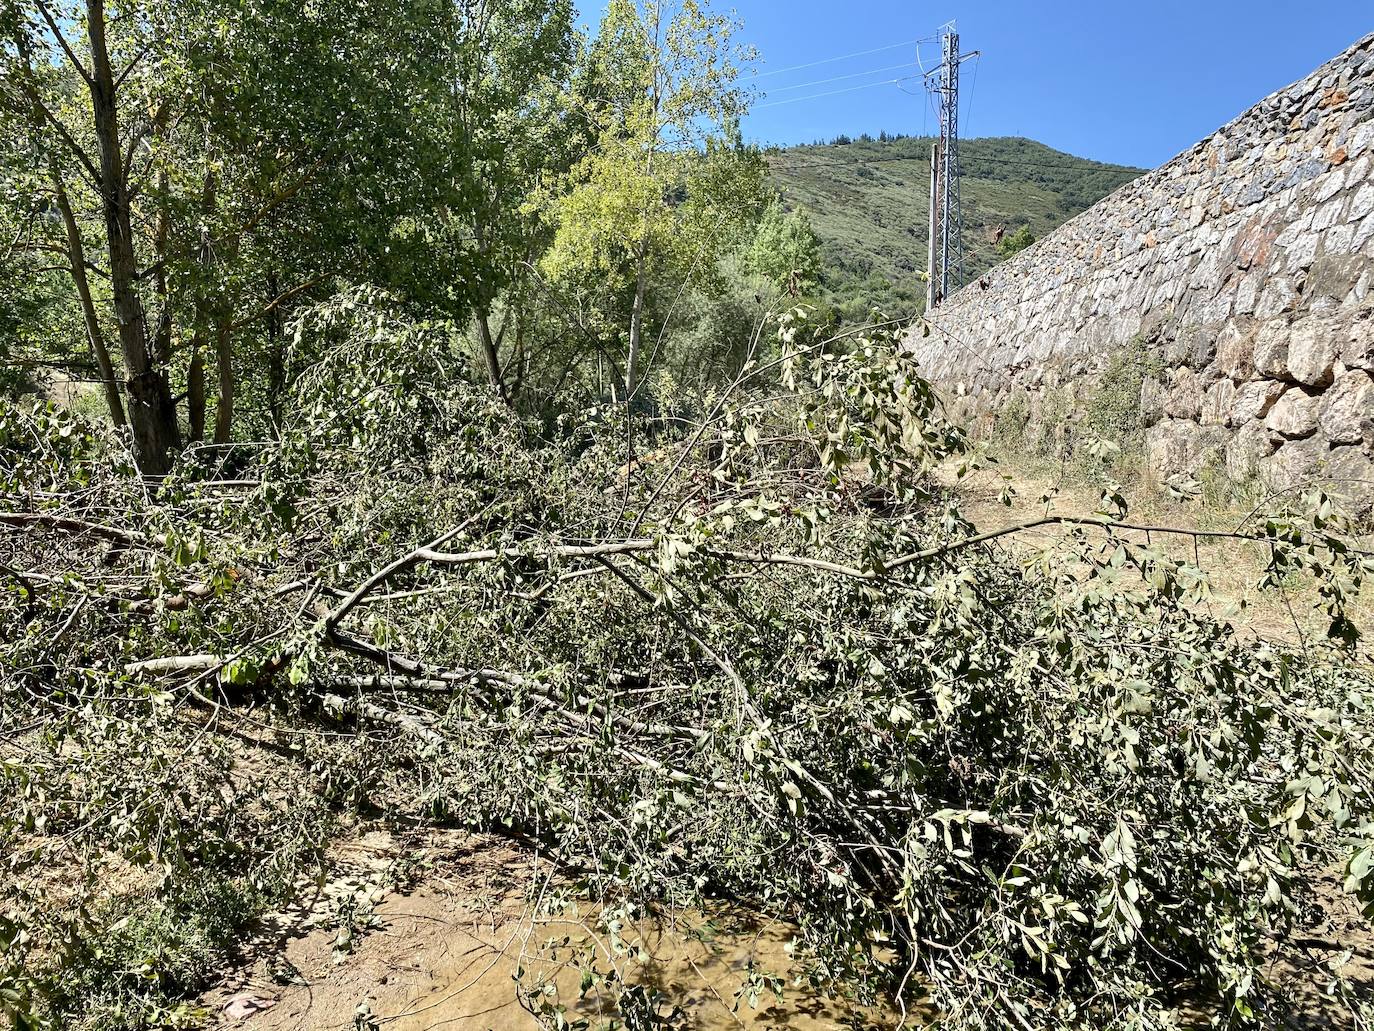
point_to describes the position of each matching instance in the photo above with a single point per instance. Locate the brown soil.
(487, 936)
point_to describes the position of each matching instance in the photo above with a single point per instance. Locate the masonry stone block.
(1251, 444)
(1347, 412)
(1180, 446)
(1295, 464)
(1246, 263)
(1295, 414)
(1271, 349)
(1184, 399)
(1350, 474)
(1313, 345)
(1254, 400)
(1217, 403)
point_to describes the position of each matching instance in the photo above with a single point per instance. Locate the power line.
(832, 60)
(970, 159)
(973, 90)
(837, 78)
(834, 92)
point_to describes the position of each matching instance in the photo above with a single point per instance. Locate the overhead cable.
(832, 60)
(837, 78)
(833, 92)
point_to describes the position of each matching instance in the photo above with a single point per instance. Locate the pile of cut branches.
(736, 648)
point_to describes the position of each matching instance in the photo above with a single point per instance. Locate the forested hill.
(868, 200)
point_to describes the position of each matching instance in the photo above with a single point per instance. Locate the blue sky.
(1131, 82)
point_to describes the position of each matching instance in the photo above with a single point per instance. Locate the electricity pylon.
(946, 261)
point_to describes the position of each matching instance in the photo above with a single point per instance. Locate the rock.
(1362, 204)
(1295, 414)
(1295, 464)
(1216, 404)
(1270, 352)
(1347, 412)
(1194, 346)
(1350, 474)
(1181, 446)
(245, 1004)
(1278, 297)
(1184, 399)
(1151, 401)
(1253, 400)
(1235, 353)
(1357, 348)
(1312, 348)
(1251, 444)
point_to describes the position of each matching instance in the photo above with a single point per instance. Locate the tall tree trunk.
(162, 339)
(76, 254)
(152, 412)
(162, 336)
(521, 359)
(224, 365)
(489, 355)
(195, 386)
(203, 317)
(637, 322)
(276, 357)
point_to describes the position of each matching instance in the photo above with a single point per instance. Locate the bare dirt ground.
(481, 936)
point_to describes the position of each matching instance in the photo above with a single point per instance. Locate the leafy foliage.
(539, 499)
(1013, 786)
(1015, 243)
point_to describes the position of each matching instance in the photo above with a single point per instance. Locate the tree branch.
(62, 42)
(79, 526)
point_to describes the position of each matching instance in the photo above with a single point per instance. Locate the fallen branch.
(113, 533)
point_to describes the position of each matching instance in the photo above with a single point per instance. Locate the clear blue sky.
(1129, 82)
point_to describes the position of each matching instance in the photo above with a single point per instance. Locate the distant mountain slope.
(868, 201)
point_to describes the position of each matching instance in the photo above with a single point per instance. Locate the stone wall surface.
(1239, 273)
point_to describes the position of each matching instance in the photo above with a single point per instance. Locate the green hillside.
(868, 202)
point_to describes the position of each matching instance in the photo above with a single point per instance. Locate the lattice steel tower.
(946, 216)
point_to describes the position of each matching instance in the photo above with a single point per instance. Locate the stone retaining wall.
(1239, 273)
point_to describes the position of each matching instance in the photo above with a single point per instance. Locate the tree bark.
(637, 322)
(76, 254)
(224, 364)
(489, 355)
(195, 386)
(76, 247)
(162, 338)
(152, 412)
(276, 356)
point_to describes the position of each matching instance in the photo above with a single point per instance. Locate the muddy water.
(696, 970)
(479, 945)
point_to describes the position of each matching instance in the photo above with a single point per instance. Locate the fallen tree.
(772, 663)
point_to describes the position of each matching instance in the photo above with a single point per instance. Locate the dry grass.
(1234, 568)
